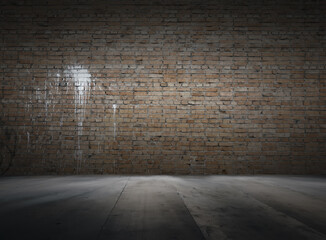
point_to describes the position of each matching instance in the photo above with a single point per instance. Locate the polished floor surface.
(163, 207)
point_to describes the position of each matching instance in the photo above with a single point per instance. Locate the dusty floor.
(163, 207)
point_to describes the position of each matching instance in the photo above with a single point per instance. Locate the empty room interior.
(163, 120)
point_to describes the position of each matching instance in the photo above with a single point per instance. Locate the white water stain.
(46, 97)
(82, 86)
(61, 121)
(38, 94)
(82, 82)
(28, 140)
(114, 121)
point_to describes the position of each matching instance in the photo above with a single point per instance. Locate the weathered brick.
(163, 88)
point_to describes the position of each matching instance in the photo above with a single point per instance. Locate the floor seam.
(184, 204)
(110, 213)
(289, 215)
(288, 189)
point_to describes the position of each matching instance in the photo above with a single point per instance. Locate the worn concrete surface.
(163, 207)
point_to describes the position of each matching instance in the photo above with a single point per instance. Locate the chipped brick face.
(163, 87)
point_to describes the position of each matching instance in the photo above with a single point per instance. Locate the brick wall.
(163, 87)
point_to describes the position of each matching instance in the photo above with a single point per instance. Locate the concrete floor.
(163, 207)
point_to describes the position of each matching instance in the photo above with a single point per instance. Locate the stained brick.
(198, 87)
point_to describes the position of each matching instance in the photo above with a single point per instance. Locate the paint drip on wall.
(82, 88)
(114, 121)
